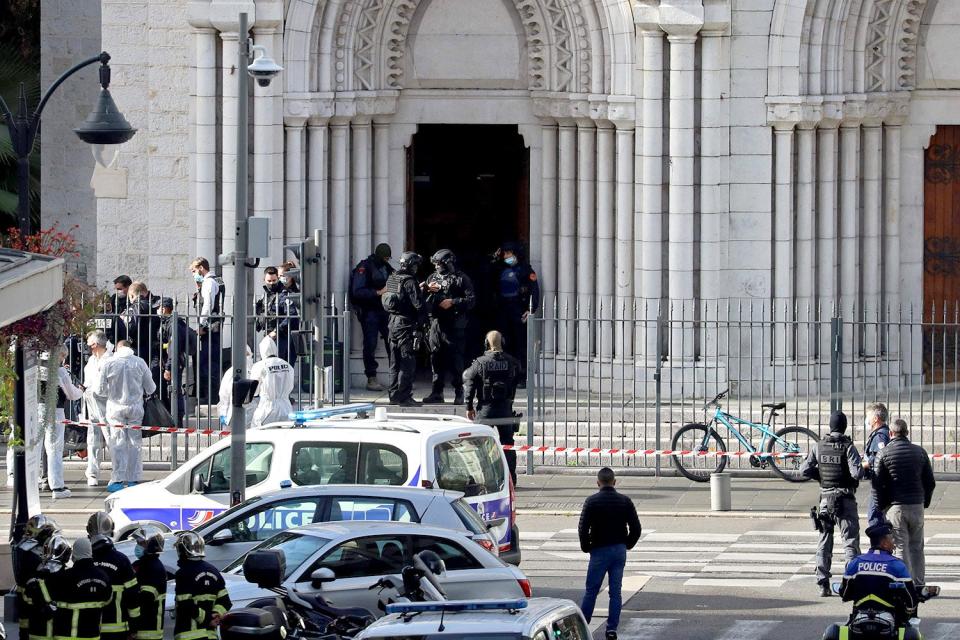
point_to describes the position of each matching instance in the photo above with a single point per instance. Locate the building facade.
(792, 151)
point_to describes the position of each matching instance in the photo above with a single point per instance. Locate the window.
(453, 555)
(541, 635)
(273, 518)
(373, 556)
(468, 516)
(375, 509)
(382, 464)
(297, 549)
(215, 474)
(570, 627)
(472, 466)
(324, 463)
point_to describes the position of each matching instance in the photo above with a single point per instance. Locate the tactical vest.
(833, 463)
(216, 307)
(497, 373)
(393, 299)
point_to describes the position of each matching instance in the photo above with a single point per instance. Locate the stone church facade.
(643, 150)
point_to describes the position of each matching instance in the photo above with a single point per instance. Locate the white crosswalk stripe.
(760, 559)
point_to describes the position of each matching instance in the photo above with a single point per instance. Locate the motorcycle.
(876, 623)
(290, 615)
(420, 582)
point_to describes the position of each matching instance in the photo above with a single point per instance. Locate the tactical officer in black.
(492, 379)
(836, 464)
(28, 555)
(121, 614)
(151, 581)
(187, 341)
(367, 283)
(517, 294)
(403, 300)
(201, 595)
(80, 596)
(450, 296)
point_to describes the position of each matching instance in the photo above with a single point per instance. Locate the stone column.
(783, 240)
(294, 210)
(871, 269)
(849, 246)
(682, 222)
(606, 249)
(805, 247)
(586, 230)
(826, 207)
(566, 232)
(339, 213)
(267, 150)
(228, 136)
(624, 262)
(360, 201)
(205, 178)
(891, 216)
(318, 151)
(548, 261)
(381, 183)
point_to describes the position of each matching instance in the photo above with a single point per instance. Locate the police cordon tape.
(521, 448)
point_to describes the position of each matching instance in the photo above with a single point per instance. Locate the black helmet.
(100, 529)
(443, 260)
(57, 549)
(40, 528)
(189, 546)
(409, 262)
(150, 538)
(513, 246)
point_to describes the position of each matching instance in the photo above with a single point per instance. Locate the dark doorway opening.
(468, 191)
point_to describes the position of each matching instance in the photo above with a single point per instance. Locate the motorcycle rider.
(28, 556)
(450, 296)
(402, 299)
(201, 595)
(835, 463)
(152, 582)
(275, 378)
(122, 611)
(125, 379)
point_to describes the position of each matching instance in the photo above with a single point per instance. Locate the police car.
(533, 619)
(353, 444)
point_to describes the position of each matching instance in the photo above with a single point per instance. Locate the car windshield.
(223, 515)
(470, 465)
(297, 548)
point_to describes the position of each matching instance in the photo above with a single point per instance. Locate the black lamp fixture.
(105, 126)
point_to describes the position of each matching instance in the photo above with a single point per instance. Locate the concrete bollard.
(720, 499)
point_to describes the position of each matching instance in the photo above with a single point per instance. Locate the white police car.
(533, 619)
(340, 445)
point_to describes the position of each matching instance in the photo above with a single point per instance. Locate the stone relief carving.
(943, 164)
(396, 38)
(909, 38)
(341, 40)
(366, 48)
(536, 46)
(876, 41)
(561, 42)
(579, 29)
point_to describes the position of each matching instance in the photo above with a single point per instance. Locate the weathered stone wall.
(70, 31)
(150, 233)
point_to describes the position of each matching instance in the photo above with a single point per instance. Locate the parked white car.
(354, 444)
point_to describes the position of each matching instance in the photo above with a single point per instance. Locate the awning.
(29, 283)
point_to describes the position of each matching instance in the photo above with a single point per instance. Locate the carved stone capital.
(854, 110)
(225, 14)
(681, 18)
(646, 15)
(622, 111)
(297, 106)
(899, 108)
(785, 112)
(716, 17)
(831, 112)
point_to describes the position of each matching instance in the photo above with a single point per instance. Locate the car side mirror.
(322, 576)
(222, 536)
(495, 522)
(199, 483)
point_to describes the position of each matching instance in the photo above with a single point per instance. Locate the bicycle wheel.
(792, 440)
(696, 437)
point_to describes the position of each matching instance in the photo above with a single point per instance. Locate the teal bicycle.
(706, 446)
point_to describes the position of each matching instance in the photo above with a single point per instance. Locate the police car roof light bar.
(449, 606)
(309, 415)
(438, 417)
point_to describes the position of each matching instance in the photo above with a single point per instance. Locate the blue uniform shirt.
(877, 440)
(867, 580)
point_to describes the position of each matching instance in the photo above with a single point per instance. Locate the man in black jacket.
(904, 489)
(608, 527)
(368, 282)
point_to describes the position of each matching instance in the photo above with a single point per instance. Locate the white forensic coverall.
(95, 410)
(124, 380)
(275, 377)
(53, 436)
(225, 406)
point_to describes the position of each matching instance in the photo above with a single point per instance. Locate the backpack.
(392, 299)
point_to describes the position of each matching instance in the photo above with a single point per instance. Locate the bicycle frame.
(728, 420)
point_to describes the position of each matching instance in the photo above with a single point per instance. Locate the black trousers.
(374, 326)
(403, 367)
(446, 356)
(502, 419)
(514, 330)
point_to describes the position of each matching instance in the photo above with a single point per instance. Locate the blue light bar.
(457, 605)
(307, 415)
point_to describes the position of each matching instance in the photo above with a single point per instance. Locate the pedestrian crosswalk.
(642, 628)
(724, 560)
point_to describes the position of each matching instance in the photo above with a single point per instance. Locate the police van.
(352, 444)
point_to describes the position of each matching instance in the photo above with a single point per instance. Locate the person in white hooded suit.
(95, 407)
(125, 379)
(275, 378)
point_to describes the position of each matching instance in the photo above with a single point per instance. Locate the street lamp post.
(264, 69)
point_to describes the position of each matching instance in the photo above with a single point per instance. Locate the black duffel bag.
(155, 414)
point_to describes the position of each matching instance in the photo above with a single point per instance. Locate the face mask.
(198, 277)
(138, 551)
(276, 287)
(512, 260)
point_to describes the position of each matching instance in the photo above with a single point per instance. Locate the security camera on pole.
(264, 69)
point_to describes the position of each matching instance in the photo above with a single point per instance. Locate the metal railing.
(630, 377)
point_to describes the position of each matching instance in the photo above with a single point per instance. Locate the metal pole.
(836, 364)
(173, 357)
(238, 426)
(531, 377)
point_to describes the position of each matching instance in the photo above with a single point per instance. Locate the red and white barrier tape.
(137, 427)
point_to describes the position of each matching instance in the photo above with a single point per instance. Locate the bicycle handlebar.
(720, 396)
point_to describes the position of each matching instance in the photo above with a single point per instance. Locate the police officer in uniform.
(492, 379)
(122, 612)
(28, 555)
(80, 596)
(875, 422)
(450, 296)
(517, 292)
(403, 300)
(201, 595)
(367, 284)
(836, 464)
(151, 581)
